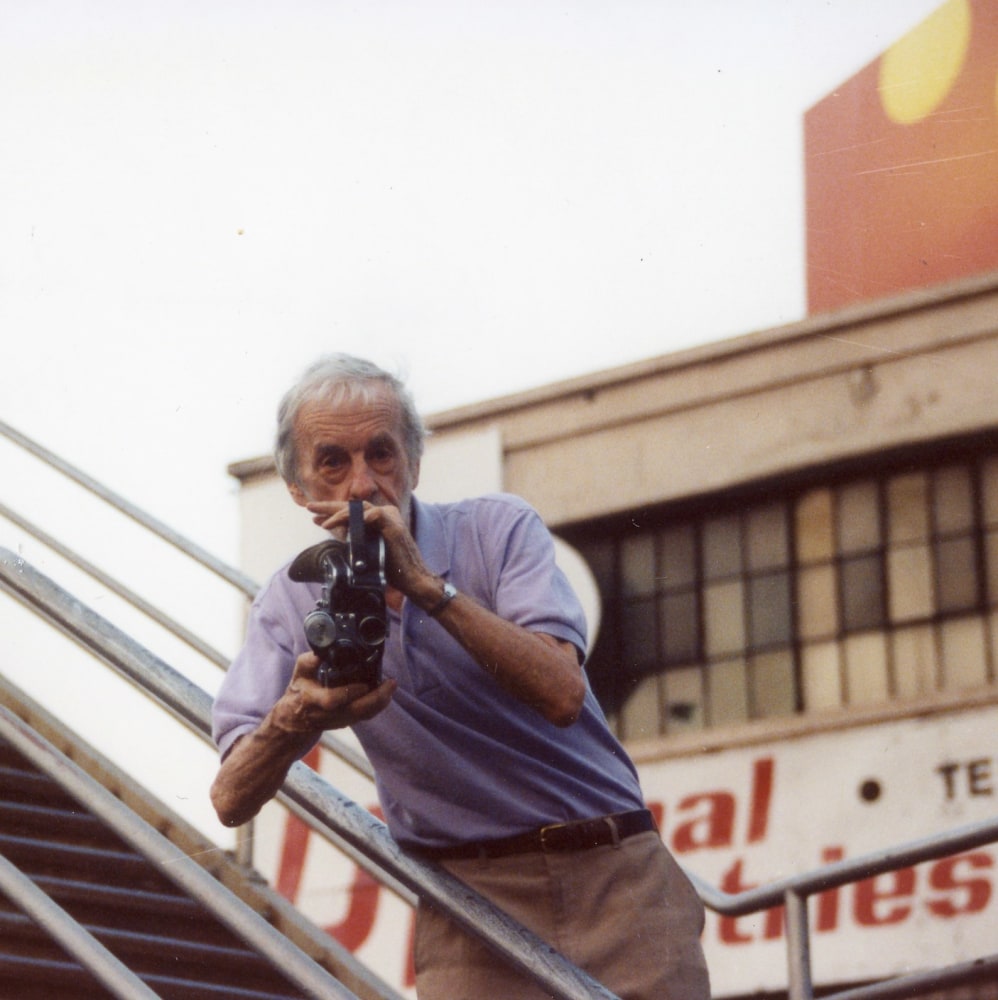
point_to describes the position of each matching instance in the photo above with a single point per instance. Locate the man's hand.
(306, 707)
(255, 768)
(405, 569)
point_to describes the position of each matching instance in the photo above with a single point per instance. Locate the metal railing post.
(799, 982)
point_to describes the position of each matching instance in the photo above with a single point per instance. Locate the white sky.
(200, 197)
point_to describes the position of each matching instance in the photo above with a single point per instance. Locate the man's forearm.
(254, 770)
(536, 668)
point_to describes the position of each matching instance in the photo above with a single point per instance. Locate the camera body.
(348, 628)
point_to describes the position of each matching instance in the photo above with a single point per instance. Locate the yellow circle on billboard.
(919, 70)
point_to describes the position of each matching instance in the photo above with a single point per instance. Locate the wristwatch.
(450, 592)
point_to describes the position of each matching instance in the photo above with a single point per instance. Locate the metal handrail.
(171, 862)
(303, 787)
(172, 626)
(76, 940)
(238, 579)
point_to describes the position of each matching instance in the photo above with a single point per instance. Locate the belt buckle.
(544, 831)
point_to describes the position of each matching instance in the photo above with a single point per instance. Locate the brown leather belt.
(577, 836)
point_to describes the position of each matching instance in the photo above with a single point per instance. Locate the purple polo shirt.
(457, 759)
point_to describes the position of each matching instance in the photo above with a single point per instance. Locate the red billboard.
(901, 164)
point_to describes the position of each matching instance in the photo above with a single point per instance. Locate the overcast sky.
(200, 197)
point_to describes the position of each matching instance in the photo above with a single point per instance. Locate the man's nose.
(362, 485)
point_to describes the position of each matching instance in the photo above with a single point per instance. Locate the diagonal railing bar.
(116, 587)
(962, 838)
(192, 706)
(919, 983)
(238, 579)
(78, 942)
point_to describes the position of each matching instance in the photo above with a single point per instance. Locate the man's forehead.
(349, 418)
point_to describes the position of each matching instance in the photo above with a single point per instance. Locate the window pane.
(814, 527)
(722, 547)
(637, 566)
(817, 602)
(862, 593)
(908, 509)
(866, 671)
(600, 557)
(640, 718)
(910, 576)
(769, 610)
(821, 676)
(724, 623)
(680, 627)
(683, 700)
(773, 687)
(916, 664)
(991, 548)
(956, 574)
(989, 481)
(954, 503)
(858, 517)
(766, 537)
(964, 664)
(727, 692)
(678, 557)
(638, 634)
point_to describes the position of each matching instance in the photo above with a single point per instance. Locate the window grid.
(844, 594)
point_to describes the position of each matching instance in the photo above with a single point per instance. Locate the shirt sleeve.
(261, 671)
(530, 589)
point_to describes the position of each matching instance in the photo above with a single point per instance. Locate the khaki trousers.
(627, 915)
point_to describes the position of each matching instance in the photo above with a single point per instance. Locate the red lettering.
(869, 894)
(762, 796)
(353, 930)
(657, 810)
(827, 917)
(976, 891)
(731, 881)
(716, 828)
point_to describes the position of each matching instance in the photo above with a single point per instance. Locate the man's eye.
(332, 461)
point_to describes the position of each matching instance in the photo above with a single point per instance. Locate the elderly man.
(483, 733)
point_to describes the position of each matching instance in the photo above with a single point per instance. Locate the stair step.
(22, 785)
(148, 955)
(50, 979)
(166, 938)
(36, 856)
(62, 824)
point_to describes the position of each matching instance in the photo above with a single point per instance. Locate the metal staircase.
(116, 895)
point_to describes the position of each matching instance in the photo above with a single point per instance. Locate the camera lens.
(372, 630)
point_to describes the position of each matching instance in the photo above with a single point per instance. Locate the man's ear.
(297, 494)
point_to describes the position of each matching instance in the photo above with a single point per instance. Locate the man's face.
(353, 450)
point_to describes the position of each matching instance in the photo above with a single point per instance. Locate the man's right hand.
(256, 766)
(308, 707)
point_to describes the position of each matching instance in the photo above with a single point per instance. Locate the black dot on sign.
(870, 790)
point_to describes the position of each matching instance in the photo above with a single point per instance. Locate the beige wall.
(912, 369)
